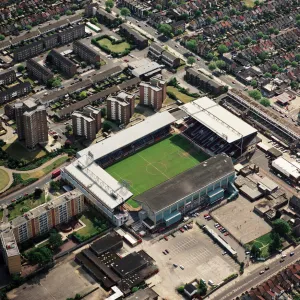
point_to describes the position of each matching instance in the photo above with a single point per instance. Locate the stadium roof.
(103, 187)
(218, 119)
(186, 183)
(286, 167)
(129, 135)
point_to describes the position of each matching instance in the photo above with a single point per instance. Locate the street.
(247, 281)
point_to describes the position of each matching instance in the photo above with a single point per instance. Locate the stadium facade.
(101, 190)
(199, 186)
(216, 130)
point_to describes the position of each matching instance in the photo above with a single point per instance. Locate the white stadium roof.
(286, 167)
(98, 182)
(218, 119)
(129, 135)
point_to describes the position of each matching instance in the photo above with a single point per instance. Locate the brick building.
(38, 71)
(15, 91)
(153, 93)
(62, 63)
(27, 51)
(121, 107)
(71, 34)
(7, 77)
(86, 53)
(135, 37)
(86, 123)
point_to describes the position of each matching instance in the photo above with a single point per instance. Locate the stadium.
(165, 173)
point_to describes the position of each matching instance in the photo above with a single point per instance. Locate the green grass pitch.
(156, 164)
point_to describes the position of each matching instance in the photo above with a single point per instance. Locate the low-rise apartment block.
(106, 18)
(86, 123)
(203, 82)
(62, 63)
(38, 71)
(15, 91)
(159, 53)
(10, 251)
(43, 218)
(27, 51)
(121, 107)
(140, 41)
(71, 34)
(153, 93)
(86, 53)
(7, 77)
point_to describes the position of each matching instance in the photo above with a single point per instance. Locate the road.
(254, 279)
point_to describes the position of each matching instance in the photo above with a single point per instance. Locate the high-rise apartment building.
(153, 93)
(35, 127)
(45, 217)
(87, 123)
(121, 107)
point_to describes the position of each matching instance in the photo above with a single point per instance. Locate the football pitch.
(156, 164)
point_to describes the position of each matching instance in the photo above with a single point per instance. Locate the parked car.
(267, 268)
(292, 253)
(164, 253)
(226, 233)
(166, 238)
(261, 272)
(182, 267)
(175, 265)
(167, 251)
(181, 229)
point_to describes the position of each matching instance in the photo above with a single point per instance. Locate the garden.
(111, 46)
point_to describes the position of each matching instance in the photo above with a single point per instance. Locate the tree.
(253, 83)
(54, 185)
(109, 3)
(220, 64)
(55, 240)
(158, 7)
(268, 75)
(210, 56)
(260, 34)
(98, 65)
(68, 12)
(255, 251)
(125, 12)
(40, 256)
(294, 85)
(265, 102)
(37, 193)
(191, 60)
(83, 64)
(2, 37)
(222, 49)
(276, 243)
(198, 13)
(281, 227)
(28, 27)
(242, 265)
(297, 57)
(255, 94)
(274, 67)
(54, 82)
(103, 112)
(82, 95)
(57, 17)
(20, 68)
(165, 29)
(236, 44)
(134, 289)
(191, 45)
(202, 288)
(294, 64)
(212, 66)
(106, 127)
(107, 9)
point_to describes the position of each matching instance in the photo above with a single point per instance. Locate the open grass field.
(4, 179)
(117, 48)
(19, 208)
(249, 3)
(156, 164)
(42, 172)
(180, 96)
(18, 151)
(263, 243)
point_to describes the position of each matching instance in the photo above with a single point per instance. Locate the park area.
(17, 151)
(180, 96)
(4, 179)
(155, 164)
(262, 243)
(115, 48)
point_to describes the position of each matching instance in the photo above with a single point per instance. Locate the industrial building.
(286, 169)
(101, 189)
(216, 130)
(110, 242)
(206, 183)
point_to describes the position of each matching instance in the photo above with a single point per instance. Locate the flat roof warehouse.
(218, 119)
(184, 184)
(130, 135)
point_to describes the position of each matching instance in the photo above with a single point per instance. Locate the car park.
(182, 267)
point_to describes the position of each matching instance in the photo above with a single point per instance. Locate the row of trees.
(256, 95)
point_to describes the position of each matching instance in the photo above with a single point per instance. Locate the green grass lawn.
(90, 218)
(17, 151)
(46, 170)
(26, 204)
(4, 179)
(263, 243)
(117, 48)
(180, 96)
(156, 164)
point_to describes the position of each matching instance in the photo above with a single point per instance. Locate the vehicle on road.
(261, 272)
(164, 252)
(267, 268)
(282, 260)
(182, 267)
(166, 238)
(226, 233)
(292, 253)
(283, 255)
(167, 251)
(55, 173)
(181, 229)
